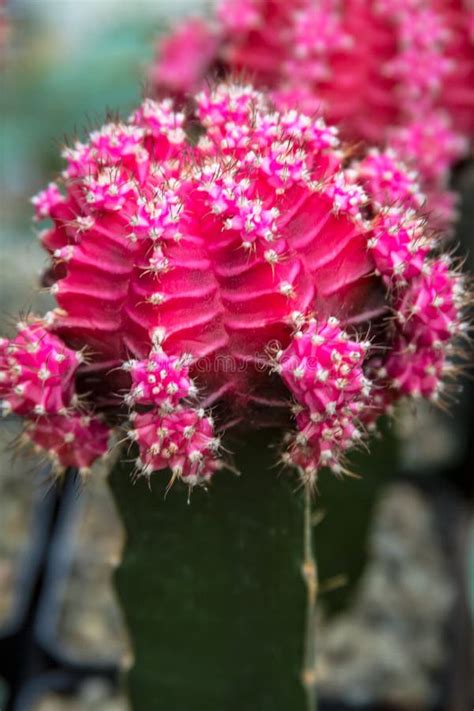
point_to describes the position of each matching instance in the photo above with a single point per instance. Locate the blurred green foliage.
(56, 86)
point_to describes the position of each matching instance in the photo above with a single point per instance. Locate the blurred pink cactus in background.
(388, 72)
(186, 56)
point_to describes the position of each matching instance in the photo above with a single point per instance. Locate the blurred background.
(396, 548)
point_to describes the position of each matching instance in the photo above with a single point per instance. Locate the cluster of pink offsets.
(427, 322)
(400, 244)
(323, 369)
(37, 372)
(391, 72)
(388, 181)
(183, 441)
(37, 382)
(175, 434)
(73, 440)
(260, 273)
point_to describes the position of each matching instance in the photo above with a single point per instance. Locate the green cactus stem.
(219, 592)
(213, 590)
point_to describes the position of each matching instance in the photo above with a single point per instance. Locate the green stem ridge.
(310, 576)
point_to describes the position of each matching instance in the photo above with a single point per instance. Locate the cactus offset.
(37, 372)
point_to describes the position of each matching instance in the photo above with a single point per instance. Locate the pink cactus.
(183, 441)
(388, 181)
(323, 369)
(76, 440)
(394, 72)
(159, 380)
(185, 57)
(37, 372)
(255, 272)
(411, 51)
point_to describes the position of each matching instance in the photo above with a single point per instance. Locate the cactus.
(249, 277)
(398, 73)
(231, 269)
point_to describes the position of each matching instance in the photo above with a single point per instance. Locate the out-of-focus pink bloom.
(383, 71)
(76, 440)
(185, 57)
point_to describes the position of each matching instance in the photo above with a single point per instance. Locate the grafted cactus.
(257, 276)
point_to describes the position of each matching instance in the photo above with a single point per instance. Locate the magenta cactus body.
(251, 277)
